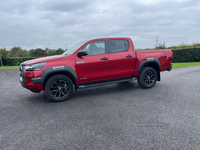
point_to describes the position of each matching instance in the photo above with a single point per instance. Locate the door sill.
(100, 83)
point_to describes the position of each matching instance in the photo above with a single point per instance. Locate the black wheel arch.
(63, 70)
(151, 62)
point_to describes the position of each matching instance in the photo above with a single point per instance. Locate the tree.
(14, 51)
(55, 52)
(40, 53)
(59, 51)
(31, 53)
(3, 55)
(21, 53)
(161, 46)
(51, 52)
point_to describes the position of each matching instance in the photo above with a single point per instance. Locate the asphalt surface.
(118, 116)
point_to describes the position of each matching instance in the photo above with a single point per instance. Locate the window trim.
(106, 47)
(109, 50)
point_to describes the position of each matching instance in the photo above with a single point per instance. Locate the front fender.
(52, 70)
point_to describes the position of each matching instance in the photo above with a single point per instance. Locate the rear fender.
(151, 62)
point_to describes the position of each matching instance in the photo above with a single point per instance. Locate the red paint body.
(94, 69)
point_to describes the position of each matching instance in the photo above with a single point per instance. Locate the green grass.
(175, 65)
(9, 67)
(187, 64)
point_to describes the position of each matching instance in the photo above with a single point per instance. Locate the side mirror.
(82, 53)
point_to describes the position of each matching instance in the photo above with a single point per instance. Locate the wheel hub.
(59, 88)
(149, 77)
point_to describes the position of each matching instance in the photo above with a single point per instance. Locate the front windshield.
(74, 48)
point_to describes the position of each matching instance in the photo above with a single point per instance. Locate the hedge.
(186, 55)
(15, 61)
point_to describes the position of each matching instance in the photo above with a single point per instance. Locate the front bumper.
(26, 80)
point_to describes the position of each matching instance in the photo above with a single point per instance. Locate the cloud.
(64, 6)
(30, 24)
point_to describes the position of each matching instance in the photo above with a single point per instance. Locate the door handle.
(129, 56)
(104, 58)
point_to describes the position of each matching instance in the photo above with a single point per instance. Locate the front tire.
(147, 78)
(59, 88)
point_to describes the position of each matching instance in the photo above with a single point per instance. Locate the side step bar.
(88, 85)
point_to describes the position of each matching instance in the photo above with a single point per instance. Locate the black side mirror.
(82, 53)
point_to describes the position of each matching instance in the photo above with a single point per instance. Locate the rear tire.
(58, 88)
(147, 78)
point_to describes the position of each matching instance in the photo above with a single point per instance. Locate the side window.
(117, 46)
(95, 48)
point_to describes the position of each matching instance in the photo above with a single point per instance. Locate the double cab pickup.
(93, 63)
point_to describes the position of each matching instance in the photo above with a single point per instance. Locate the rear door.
(95, 66)
(122, 58)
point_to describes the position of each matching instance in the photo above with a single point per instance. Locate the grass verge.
(9, 67)
(187, 64)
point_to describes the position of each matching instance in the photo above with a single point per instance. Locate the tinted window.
(95, 48)
(117, 46)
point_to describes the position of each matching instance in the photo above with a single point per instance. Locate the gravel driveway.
(118, 116)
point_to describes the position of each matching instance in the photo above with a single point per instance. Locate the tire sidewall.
(51, 80)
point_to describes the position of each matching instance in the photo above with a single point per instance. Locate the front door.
(95, 66)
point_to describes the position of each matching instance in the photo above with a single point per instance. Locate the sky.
(55, 24)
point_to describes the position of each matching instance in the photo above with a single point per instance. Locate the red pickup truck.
(93, 63)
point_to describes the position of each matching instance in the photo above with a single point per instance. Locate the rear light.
(171, 56)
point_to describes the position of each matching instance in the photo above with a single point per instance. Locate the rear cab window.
(117, 46)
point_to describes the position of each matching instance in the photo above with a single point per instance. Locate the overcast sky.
(62, 23)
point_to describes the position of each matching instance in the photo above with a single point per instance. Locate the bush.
(186, 55)
(16, 61)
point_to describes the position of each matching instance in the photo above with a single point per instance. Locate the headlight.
(34, 67)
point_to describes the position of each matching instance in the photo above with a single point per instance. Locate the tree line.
(33, 53)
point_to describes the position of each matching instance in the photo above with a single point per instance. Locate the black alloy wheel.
(147, 77)
(59, 88)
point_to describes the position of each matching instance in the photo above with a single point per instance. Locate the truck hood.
(44, 59)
